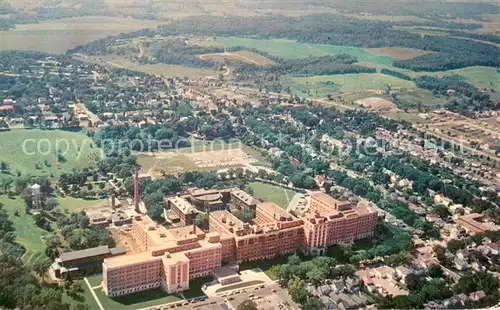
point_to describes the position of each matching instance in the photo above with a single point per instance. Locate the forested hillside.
(448, 52)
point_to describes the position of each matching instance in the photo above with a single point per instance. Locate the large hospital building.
(170, 257)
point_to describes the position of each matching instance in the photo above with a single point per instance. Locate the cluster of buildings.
(170, 257)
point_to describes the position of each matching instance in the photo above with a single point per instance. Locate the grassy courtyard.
(268, 192)
(147, 298)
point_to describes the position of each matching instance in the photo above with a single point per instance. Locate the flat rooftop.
(100, 250)
(139, 258)
(161, 235)
(228, 221)
(269, 212)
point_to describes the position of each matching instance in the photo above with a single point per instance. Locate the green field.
(57, 36)
(323, 85)
(481, 77)
(292, 50)
(28, 234)
(269, 192)
(22, 149)
(75, 204)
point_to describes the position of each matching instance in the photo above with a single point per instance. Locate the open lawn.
(150, 298)
(28, 234)
(23, 150)
(292, 50)
(95, 280)
(57, 36)
(88, 299)
(139, 300)
(321, 86)
(269, 192)
(75, 204)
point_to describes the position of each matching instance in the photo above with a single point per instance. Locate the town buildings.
(475, 223)
(169, 258)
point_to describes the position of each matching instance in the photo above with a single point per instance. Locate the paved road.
(228, 302)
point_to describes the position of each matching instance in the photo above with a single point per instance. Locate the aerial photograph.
(249, 154)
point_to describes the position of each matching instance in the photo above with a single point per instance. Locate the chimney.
(113, 203)
(136, 190)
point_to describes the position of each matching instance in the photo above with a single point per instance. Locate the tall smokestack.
(113, 202)
(136, 190)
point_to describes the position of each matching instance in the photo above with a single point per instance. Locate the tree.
(41, 264)
(313, 303)
(4, 166)
(51, 204)
(247, 305)
(74, 289)
(202, 221)
(343, 271)
(454, 245)
(296, 289)
(435, 271)
(414, 282)
(440, 252)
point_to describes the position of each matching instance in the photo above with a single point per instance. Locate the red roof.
(494, 246)
(6, 108)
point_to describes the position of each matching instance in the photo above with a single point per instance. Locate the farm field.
(240, 56)
(480, 77)
(22, 149)
(321, 86)
(58, 36)
(293, 50)
(28, 234)
(268, 192)
(398, 53)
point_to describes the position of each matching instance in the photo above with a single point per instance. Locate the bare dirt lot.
(375, 103)
(397, 52)
(223, 158)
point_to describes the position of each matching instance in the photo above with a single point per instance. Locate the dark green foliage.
(397, 74)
